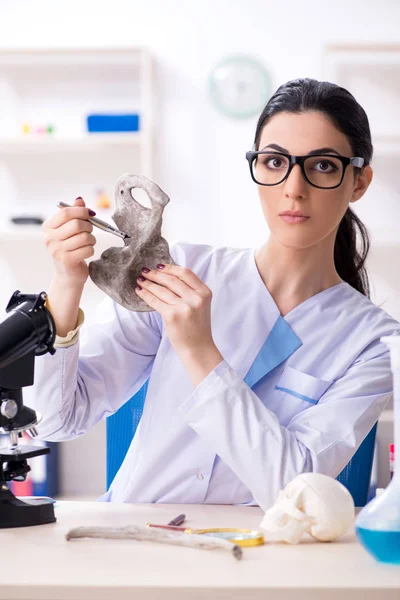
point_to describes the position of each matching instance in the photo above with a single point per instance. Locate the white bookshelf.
(60, 88)
(372, 74)
(95, 142)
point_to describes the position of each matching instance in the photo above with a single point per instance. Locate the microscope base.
(16, 513)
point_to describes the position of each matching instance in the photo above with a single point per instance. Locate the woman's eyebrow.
(276, 147)
(326, 150)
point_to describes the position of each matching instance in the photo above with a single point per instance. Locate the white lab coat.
(292, 394)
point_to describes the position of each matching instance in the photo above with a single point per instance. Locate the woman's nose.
(295, 184)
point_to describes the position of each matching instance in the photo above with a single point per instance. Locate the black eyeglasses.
(324, 171)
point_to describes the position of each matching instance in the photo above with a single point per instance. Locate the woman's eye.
(325, 166)
(274, 163)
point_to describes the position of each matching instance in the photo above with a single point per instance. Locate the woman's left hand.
(184, 302)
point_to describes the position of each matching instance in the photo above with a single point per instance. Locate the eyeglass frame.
(355, 161)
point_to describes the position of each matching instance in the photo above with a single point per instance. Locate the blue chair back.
(121, 427)
(356, 476)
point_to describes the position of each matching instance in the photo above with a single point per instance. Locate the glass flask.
(378, 523)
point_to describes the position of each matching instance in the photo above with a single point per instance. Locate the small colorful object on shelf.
(391, 460)
(28, 129)
(102, 199)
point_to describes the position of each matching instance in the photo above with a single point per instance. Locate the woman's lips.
(294, 218)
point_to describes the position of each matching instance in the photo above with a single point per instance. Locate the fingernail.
(91, 212)
(146, 270)
(160, 266)
(138, 287)
(141, 278)
(79, 198)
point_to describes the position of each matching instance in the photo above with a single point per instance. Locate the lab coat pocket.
(300, 390)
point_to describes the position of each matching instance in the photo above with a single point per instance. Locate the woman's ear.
(362, 182)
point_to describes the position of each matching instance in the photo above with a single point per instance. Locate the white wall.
(200, 152)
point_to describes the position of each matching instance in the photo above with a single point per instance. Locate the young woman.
(263, 363)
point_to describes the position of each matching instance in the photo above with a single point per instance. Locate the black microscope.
(27, 330)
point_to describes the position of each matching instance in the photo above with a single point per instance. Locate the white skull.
(311, 503)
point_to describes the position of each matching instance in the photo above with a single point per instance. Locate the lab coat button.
(200, 476)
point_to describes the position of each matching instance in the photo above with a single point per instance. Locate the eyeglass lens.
(323, 171)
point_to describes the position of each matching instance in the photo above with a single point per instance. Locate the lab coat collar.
(261, 339)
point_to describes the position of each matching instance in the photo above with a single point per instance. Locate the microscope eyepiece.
(28, 326)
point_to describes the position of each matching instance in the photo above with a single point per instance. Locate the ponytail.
(350, 261)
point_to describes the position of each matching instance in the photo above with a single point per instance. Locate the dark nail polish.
(79, 198)
(141, 278)
(138, 287)
(146, 270)
(160, 266)
(91, 212)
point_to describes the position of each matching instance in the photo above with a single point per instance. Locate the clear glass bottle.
(378, 524)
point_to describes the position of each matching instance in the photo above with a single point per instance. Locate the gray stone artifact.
(117, 269)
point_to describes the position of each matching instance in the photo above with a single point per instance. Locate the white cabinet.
(59, 88)
(372, 74)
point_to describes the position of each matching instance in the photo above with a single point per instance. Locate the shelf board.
(354, 56)
(89, 142)
(387, 416)
(389, 144)
(17, 232)
(37, 57)
(33, 233)
(388, 236)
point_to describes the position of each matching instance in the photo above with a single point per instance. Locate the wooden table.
(37, 563)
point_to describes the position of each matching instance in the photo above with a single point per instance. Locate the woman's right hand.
(68, 237)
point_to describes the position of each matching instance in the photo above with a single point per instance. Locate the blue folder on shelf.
(103, 123)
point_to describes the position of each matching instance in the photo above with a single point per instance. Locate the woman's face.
(300, 134)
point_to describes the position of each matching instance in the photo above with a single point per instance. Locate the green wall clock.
(240, 86)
